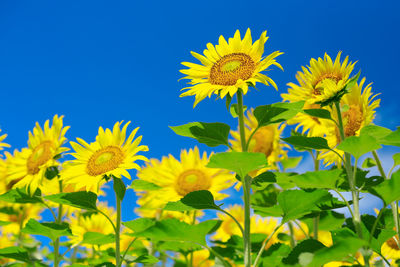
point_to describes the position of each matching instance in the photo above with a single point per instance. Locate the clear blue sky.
(97, 62)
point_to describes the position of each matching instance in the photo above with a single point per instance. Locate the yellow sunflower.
(258, 225)
(18, 215)
(266, 140)
(178, 178)
(390, 249)
(44, 146)
(229, 66)
(2, 145)
(96, 222)
(111, 155)
(317, 82)
(358, 111)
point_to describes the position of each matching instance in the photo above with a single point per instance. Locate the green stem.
(234, 219)
(126, 251)
(216, 254)
(394, 204)
(345, 201)
(351, 179)
(117, 232)
(57, 241)
(316, 219)
(291, 231)
(265, 243)
(246, 182)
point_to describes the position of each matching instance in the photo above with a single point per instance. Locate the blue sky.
(98, 62)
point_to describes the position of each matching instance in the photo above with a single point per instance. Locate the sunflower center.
(230, 68)
(392, 244)
(192, 180)
(104, 160)
(229, 227)
(331, 76)
(40, 155)
(264, 141)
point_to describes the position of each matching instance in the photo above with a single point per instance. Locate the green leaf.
(392, 139)
(368, 163)
(337, 252)
(329, 179)
(260, 182)
(51, 230)
(95, 238)
(240, 162)
(328, 220)
(80, 199)
(291, 162)
(146, 259)
(318, 113)
(175, 230)
(396, 159)
(359, 145)
(19, 195)
(274, 211)
(309, 245)
(200, 200)
(284, 179)
(119, 188)
(297, 203)
(277, 112)
(388, 190)
(211, 134)
(15, 253)
(140, 224)
(377, 132)
(275, 254)
(143, 185)
(51, 172)
(234, 110)
(305, 142)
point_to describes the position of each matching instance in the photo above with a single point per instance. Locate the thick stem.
(291, 231)
(246, 183)
(352, 180)
(316, 219)
(57, 241)
(394, 204)
(117, 232)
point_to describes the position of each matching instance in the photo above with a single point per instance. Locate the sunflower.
(110, 155)
(178, 178)
(258, 225)
(319, 82)
(228, 67)
(92, 222)
(2, 145)
(18, 215)
(358, 111)
(266, 140)
(44, 146)
(390, 249)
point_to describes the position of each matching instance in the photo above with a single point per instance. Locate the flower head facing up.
(321, 81)
(29, 165)
(229, 66)
(112, 154)
(176, 178)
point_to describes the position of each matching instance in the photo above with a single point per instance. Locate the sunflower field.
(287, 217)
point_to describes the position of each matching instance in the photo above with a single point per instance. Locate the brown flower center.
(230, 68)
(392, 243)
(40, 155)
(332, 76)
(104, 160)
(352, 120)
(192, 180)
